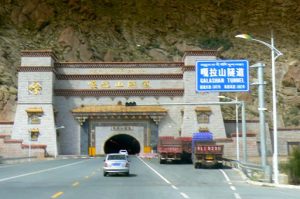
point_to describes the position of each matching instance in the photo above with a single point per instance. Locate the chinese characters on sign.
(222, 76)
(119, 84)
(122, 128)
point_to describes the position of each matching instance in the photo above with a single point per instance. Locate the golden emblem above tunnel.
(34, 88)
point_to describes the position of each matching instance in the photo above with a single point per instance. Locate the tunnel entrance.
(122, 141)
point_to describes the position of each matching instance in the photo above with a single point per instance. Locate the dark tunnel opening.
(122, 141)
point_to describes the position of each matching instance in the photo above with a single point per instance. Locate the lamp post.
(275, 53)
(236, 124)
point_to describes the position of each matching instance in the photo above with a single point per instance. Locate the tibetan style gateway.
(107, 106)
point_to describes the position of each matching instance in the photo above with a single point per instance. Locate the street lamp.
(236, 124)
(275, 53)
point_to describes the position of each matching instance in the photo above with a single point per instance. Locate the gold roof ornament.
(34, 110)
(156, 113)
(203, 129)
(203, 109)
(119, 109)
(34, 130)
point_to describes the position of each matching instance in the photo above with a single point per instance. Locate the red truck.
(186, 149)
(169, 149)
(207, 154)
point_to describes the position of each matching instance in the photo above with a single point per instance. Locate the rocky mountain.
(151, 30)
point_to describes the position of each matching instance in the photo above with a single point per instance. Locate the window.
(34, 115)
(34, 134)
(203, 114)
(203, 118)
(34, 119)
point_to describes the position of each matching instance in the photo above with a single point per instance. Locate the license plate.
(209, 157)
(116, 164)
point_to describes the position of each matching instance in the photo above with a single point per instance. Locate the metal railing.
(253, 171)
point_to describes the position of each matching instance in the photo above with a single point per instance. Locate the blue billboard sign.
(222, 76)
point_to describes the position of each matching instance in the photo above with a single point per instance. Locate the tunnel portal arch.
(122, 141)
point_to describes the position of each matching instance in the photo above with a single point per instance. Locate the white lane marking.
(225, 175)
(237, 196)
(162, 177)
(174, 187)
(184, 195)
(40, 171)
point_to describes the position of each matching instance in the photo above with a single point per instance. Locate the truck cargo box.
(169, 149)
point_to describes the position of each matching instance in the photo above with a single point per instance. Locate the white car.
(123, 151)
(116, 163)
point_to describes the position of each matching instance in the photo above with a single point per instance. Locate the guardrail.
(253, 171)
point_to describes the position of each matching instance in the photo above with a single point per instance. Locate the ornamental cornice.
(119, 64)
(201, 53)
(119, 92)
(188, 68)
(119, 76)
(38, 53)
(36, 69)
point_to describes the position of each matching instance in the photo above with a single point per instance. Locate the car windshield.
(116, 157)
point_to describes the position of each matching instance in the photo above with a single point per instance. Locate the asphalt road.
(83, 178)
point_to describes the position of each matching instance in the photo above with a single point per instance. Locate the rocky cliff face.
(143, 30)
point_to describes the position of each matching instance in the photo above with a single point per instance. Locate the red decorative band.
(34, 146)
(121, 76)
(6, 122)
(36, 69)
(201, 53)
(119, 64)
(117, 92)
(188, 68)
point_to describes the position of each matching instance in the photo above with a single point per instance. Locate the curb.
(266, 184)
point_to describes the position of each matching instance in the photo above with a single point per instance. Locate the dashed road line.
(184, 195)
(162, 177)
(75, 184)
(56, 195)
(225, 175)
(174, 187)
(237, 196)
